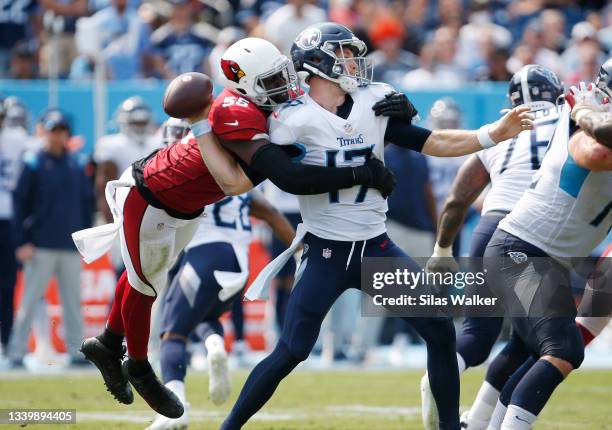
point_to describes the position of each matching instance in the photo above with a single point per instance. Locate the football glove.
(381, 177)
(584, 99)
(395, 105)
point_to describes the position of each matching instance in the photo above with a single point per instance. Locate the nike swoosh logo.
(231, 123)
(520, 419)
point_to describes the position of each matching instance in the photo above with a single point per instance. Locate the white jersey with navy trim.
(567, 211)
(122, 150)
(512, 163)
(227, 221)
(14, 142)
(325, 139)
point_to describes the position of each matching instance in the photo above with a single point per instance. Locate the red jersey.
(177, 177)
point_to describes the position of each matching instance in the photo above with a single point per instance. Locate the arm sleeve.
(302, 179)
(22, 203)
(406, 135)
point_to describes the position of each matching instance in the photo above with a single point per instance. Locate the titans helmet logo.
(232, 70)
(309, 38)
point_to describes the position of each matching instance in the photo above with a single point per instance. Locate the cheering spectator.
(285, 23)
(181, 45)
(53, 198)
(390, 61)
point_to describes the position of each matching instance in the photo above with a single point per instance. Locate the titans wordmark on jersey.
(325, 139)
(512, 163)
(567, 211)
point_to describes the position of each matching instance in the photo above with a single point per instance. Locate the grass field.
(307, 400)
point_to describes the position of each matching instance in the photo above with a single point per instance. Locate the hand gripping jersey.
(512, 163)
(176, 177)
(567, 211)
(325, 139)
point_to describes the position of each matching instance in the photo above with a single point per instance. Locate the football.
(188, 95)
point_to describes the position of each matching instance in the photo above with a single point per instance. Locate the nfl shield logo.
(327, 253)
(518, 257)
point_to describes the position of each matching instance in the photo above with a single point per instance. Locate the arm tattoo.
(471, 179)
(598, 125)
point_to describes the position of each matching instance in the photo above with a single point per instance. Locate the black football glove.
(395, 105)
(374, 174)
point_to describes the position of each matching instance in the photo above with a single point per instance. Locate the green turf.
(313, 400)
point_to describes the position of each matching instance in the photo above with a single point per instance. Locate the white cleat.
(219, 387)
(472, 423)
(164, 423)
(429, 409)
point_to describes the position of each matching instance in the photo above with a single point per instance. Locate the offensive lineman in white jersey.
(565, 213)
(336, 126)
(509, 168)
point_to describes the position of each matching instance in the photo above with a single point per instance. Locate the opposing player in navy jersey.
(211, 277)
(156, 203)
(508, 168)
(565, 214)
(340, 124)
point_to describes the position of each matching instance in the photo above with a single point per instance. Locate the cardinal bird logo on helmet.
(232, 70)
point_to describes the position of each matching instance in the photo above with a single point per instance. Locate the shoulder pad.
(380, 89)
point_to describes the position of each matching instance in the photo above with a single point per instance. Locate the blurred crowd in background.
(441, 44)
(415, 43)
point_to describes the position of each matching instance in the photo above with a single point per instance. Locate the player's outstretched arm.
(589, 153)
(454, 143)
(226, 170)
(263, 210)
(471, 179)
(599, 126)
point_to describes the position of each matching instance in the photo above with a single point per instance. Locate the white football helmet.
(173, 130)
(256, 69)
(135, 118)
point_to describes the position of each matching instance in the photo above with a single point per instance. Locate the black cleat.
(159, 398)
(108, 363)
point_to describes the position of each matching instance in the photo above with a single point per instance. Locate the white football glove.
(442, 260)
(584, 99)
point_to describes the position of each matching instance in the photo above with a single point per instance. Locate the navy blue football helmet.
(535, 86)
(604, 78)
(320, 50)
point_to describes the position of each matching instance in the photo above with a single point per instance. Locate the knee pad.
(567, 346)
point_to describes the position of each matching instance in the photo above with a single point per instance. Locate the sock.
(461, 364)
(139, 367)
(111, 340)
(536, 387)
(136, 313)
(484, 405)
(208, 328)
(260, 385)
(498, 416)
(587, 336)
(115, 321)
(238, 319)
(518, 419)
(173, 360)
(178, 388)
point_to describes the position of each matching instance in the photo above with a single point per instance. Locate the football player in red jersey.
(156, 202)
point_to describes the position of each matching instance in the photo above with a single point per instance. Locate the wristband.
(200, 128)
(484, 139)
(441, 252)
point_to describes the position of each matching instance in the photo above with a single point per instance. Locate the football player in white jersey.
(343, 123)
(212, 274)
(566, 213)
(114, 153)
(14, 141)
(508, 168)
